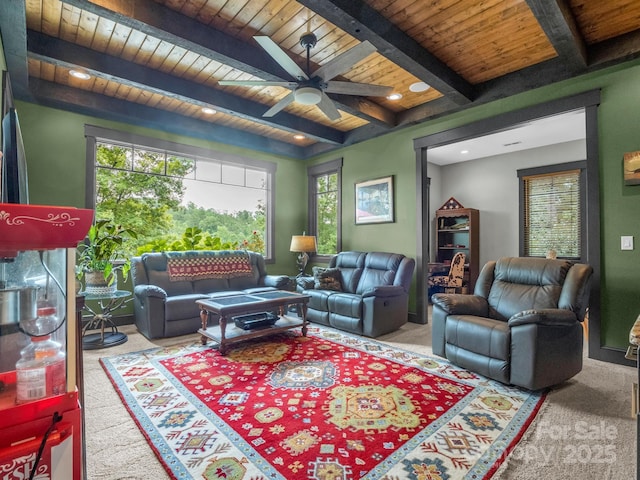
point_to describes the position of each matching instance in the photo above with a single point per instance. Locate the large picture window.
(162, 189)
(325, 184)
(552, 207)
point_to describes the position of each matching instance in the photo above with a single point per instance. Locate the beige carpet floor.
(584, 429)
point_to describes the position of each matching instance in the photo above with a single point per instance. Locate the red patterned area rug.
(330, 406)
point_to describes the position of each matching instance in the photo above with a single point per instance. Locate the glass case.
(33, 310)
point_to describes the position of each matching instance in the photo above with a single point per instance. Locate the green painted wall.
(55, 148)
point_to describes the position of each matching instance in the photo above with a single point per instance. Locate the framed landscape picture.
(374, 201)
(632, 168)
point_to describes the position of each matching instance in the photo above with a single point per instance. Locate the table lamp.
(302, 244)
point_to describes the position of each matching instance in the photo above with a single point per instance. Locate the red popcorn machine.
(40, 407)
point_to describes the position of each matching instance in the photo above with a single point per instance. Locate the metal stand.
(109, 334)
(303, 259)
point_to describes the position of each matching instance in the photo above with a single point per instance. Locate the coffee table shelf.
(225, 331)
(233, 332)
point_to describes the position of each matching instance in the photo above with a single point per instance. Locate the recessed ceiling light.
(79, 74)
(464, 152)
(419, 87)
(394, 96)
(208, 111)
(299, 136)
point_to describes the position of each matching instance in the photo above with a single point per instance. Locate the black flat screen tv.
(14, 165)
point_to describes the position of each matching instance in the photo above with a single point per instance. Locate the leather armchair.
(522, 326)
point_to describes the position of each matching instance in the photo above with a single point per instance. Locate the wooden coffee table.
(226, 307)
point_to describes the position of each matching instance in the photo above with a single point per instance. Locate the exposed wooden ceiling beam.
(382, 118)
(165, 24)
(364, 23)
(558, 24)
(545, 73)
(58, 52)
(622, 48)
(88, 103)
(536, 76)
(428, 110)
(160, 22)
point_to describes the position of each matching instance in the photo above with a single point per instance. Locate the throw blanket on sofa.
(197, 265)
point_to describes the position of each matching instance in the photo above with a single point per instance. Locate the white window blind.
(552, 214)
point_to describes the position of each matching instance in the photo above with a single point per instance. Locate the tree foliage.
(327, 213)
(143, 191)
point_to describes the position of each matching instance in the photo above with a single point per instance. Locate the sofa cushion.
(327, 279)
(526, 284)
(483, 336)
(379, 269)
(179, 307)
(319, 299)
(242, 283)
(345, 304)
(211, 285)
(350, 265)
(161, 279)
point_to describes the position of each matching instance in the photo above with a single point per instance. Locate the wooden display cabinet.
(458, 230)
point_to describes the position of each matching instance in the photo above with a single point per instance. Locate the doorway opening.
(583, 107)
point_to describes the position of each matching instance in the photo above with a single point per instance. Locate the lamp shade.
(303, 243)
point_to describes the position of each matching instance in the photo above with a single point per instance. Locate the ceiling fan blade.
(344, 61)
(362, 89)
(279, 55)
(279, 106)
(328, 108)
(258, 83)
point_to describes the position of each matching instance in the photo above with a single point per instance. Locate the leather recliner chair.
(522, 326)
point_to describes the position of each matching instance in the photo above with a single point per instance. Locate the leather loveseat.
(373, 296)
(522, 326)
(166, 307)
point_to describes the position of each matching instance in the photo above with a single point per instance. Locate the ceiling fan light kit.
(308, 95)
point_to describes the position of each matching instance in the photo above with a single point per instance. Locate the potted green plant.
(101, 256)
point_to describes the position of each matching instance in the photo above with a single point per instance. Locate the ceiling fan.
(312, 88)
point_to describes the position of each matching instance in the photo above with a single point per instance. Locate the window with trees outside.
(168, 192)
(325, 181)
(552, 210)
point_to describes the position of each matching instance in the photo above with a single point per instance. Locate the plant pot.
(96, 284)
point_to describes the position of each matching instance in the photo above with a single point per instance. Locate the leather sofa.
(374, 294)
(166, 308)
(522, 326)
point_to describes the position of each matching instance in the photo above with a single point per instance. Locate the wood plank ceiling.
(157, 63)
